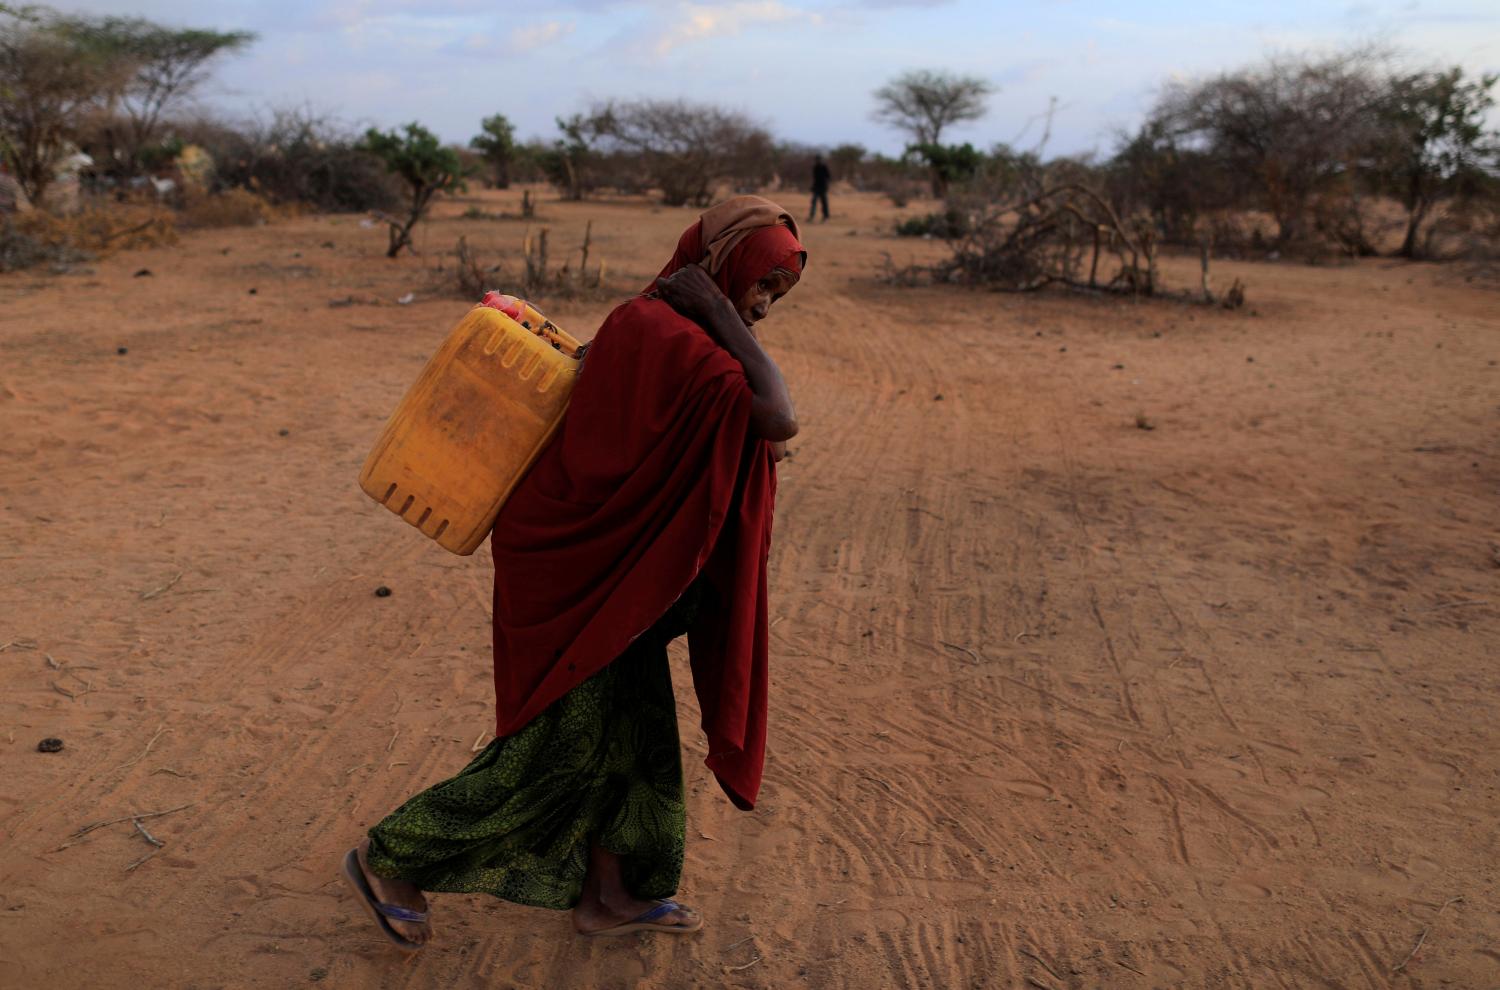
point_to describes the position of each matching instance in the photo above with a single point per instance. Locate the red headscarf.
(653, 479)
(739, 242)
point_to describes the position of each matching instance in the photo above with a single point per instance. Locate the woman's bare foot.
(400, 893)
(606, 903)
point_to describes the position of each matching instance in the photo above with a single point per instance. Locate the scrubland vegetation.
(1304, 157)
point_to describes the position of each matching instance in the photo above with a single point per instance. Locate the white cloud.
(538, 35)
(692, 22)
(507, 41)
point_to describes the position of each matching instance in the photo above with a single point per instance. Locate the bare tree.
(688, 148)
(1153, 173)
(297, 155)
(845, 160)
(752, 162)
(924, 103)
(1294, 125)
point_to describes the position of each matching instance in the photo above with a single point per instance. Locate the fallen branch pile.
(1030, 233)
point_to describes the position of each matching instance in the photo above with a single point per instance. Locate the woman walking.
(646, 518)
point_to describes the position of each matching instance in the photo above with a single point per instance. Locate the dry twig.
(141, 860)
(138, 759)
(147, 835)
(68, 671)
(738, 969)
(147, 595)
(132, 230)
(1423, 936)
(963, 649)
(85, 830)
(88, 687)
(1040, 962)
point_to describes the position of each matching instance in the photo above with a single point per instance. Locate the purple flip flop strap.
(401, 913)
(660, 911)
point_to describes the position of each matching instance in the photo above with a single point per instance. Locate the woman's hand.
(691, 292)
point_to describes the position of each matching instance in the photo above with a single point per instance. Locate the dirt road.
(1058, 701)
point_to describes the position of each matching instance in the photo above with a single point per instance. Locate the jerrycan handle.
(532, 319)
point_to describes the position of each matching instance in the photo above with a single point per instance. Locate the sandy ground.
(1058, 702)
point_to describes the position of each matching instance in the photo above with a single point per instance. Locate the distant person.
(821, 178)
(648, 516)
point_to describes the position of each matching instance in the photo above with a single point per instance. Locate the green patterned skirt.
(601, 765)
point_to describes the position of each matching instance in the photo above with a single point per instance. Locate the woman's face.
(756, 302)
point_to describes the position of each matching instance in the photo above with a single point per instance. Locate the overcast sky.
(805, 67)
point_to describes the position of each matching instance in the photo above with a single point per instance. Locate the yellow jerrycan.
(473, 423)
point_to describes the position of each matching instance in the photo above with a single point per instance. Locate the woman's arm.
(693, 294)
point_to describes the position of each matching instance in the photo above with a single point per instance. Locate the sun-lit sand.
(1058, 701)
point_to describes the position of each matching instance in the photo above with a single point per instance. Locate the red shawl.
(652, 478)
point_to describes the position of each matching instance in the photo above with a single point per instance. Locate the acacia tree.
(57, 72)
(416, 155)
(1436, 145)
(687, 148)
(496, 141)
(924, 103)
(52, 77)
(170, 64)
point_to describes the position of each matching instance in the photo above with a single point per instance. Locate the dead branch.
(1025, 230)
(1422, 938)
(131, 763)
(148, 595)
(85, 830)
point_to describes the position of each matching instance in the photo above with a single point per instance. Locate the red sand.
(1057, 701)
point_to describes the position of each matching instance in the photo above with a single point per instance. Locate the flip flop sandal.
(355, 878)
(648, 922)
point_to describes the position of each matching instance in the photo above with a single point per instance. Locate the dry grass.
(231, 208)
(96, 231)
(105, 226)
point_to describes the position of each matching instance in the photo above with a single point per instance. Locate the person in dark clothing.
(821, 178)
